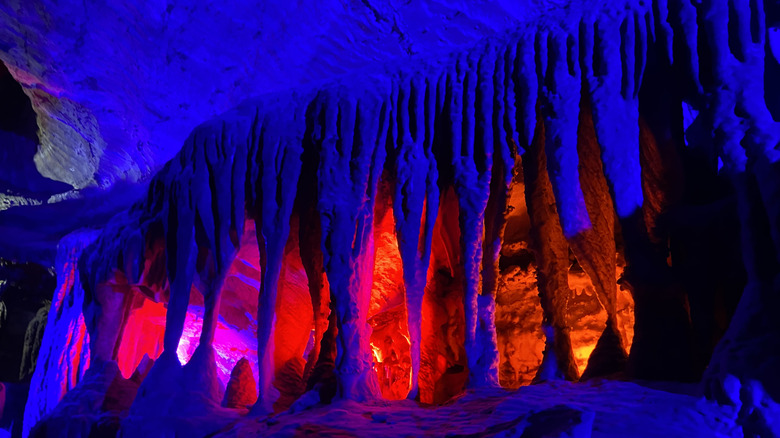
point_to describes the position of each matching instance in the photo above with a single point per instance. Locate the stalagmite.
(241, 391)
(559, 75)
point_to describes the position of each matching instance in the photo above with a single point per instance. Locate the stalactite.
(608, 64)
(682, 35)
(559, 77)
(526, 87)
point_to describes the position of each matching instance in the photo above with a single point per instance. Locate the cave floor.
(596, 408)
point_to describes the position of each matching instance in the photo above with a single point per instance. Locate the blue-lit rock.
(338, 118)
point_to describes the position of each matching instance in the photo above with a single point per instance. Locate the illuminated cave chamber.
(520, 211)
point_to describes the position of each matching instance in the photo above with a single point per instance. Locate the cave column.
(178, 219)
(218, 228)
(551, 253)
(181, 254)
(505, 143)
(556, 204)
(415, 200)
(470, 90)
(746, 139)
(226, 224)
(351, 130)
(614, 62)
(595, 248)
(277, 148)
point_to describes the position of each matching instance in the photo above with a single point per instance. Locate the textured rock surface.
(64, 354)
(33, 337)
(94, 408)
(117, 88)
(90, 135)
(344, 131)
(25, 290)
(241, 389)
(621, 409)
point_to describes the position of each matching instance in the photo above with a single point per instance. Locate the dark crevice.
(599, 63)
(16, 113)
(624, 85)
(706, 73)
(735, 45)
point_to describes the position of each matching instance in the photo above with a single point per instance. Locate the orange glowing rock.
(387, 314)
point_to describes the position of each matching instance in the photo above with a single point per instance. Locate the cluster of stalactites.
(459, 122)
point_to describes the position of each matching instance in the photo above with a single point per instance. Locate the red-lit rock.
(241, 392)
(64, 355)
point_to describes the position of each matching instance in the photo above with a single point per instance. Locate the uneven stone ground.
(595, 408)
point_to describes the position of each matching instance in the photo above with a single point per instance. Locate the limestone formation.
(314, 170)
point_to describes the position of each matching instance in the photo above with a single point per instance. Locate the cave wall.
(64, 351)
(25, 290)
(179, 64)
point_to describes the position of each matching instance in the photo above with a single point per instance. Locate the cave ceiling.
(117, 86)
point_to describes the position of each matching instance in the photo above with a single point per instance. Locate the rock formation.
(575, 102)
